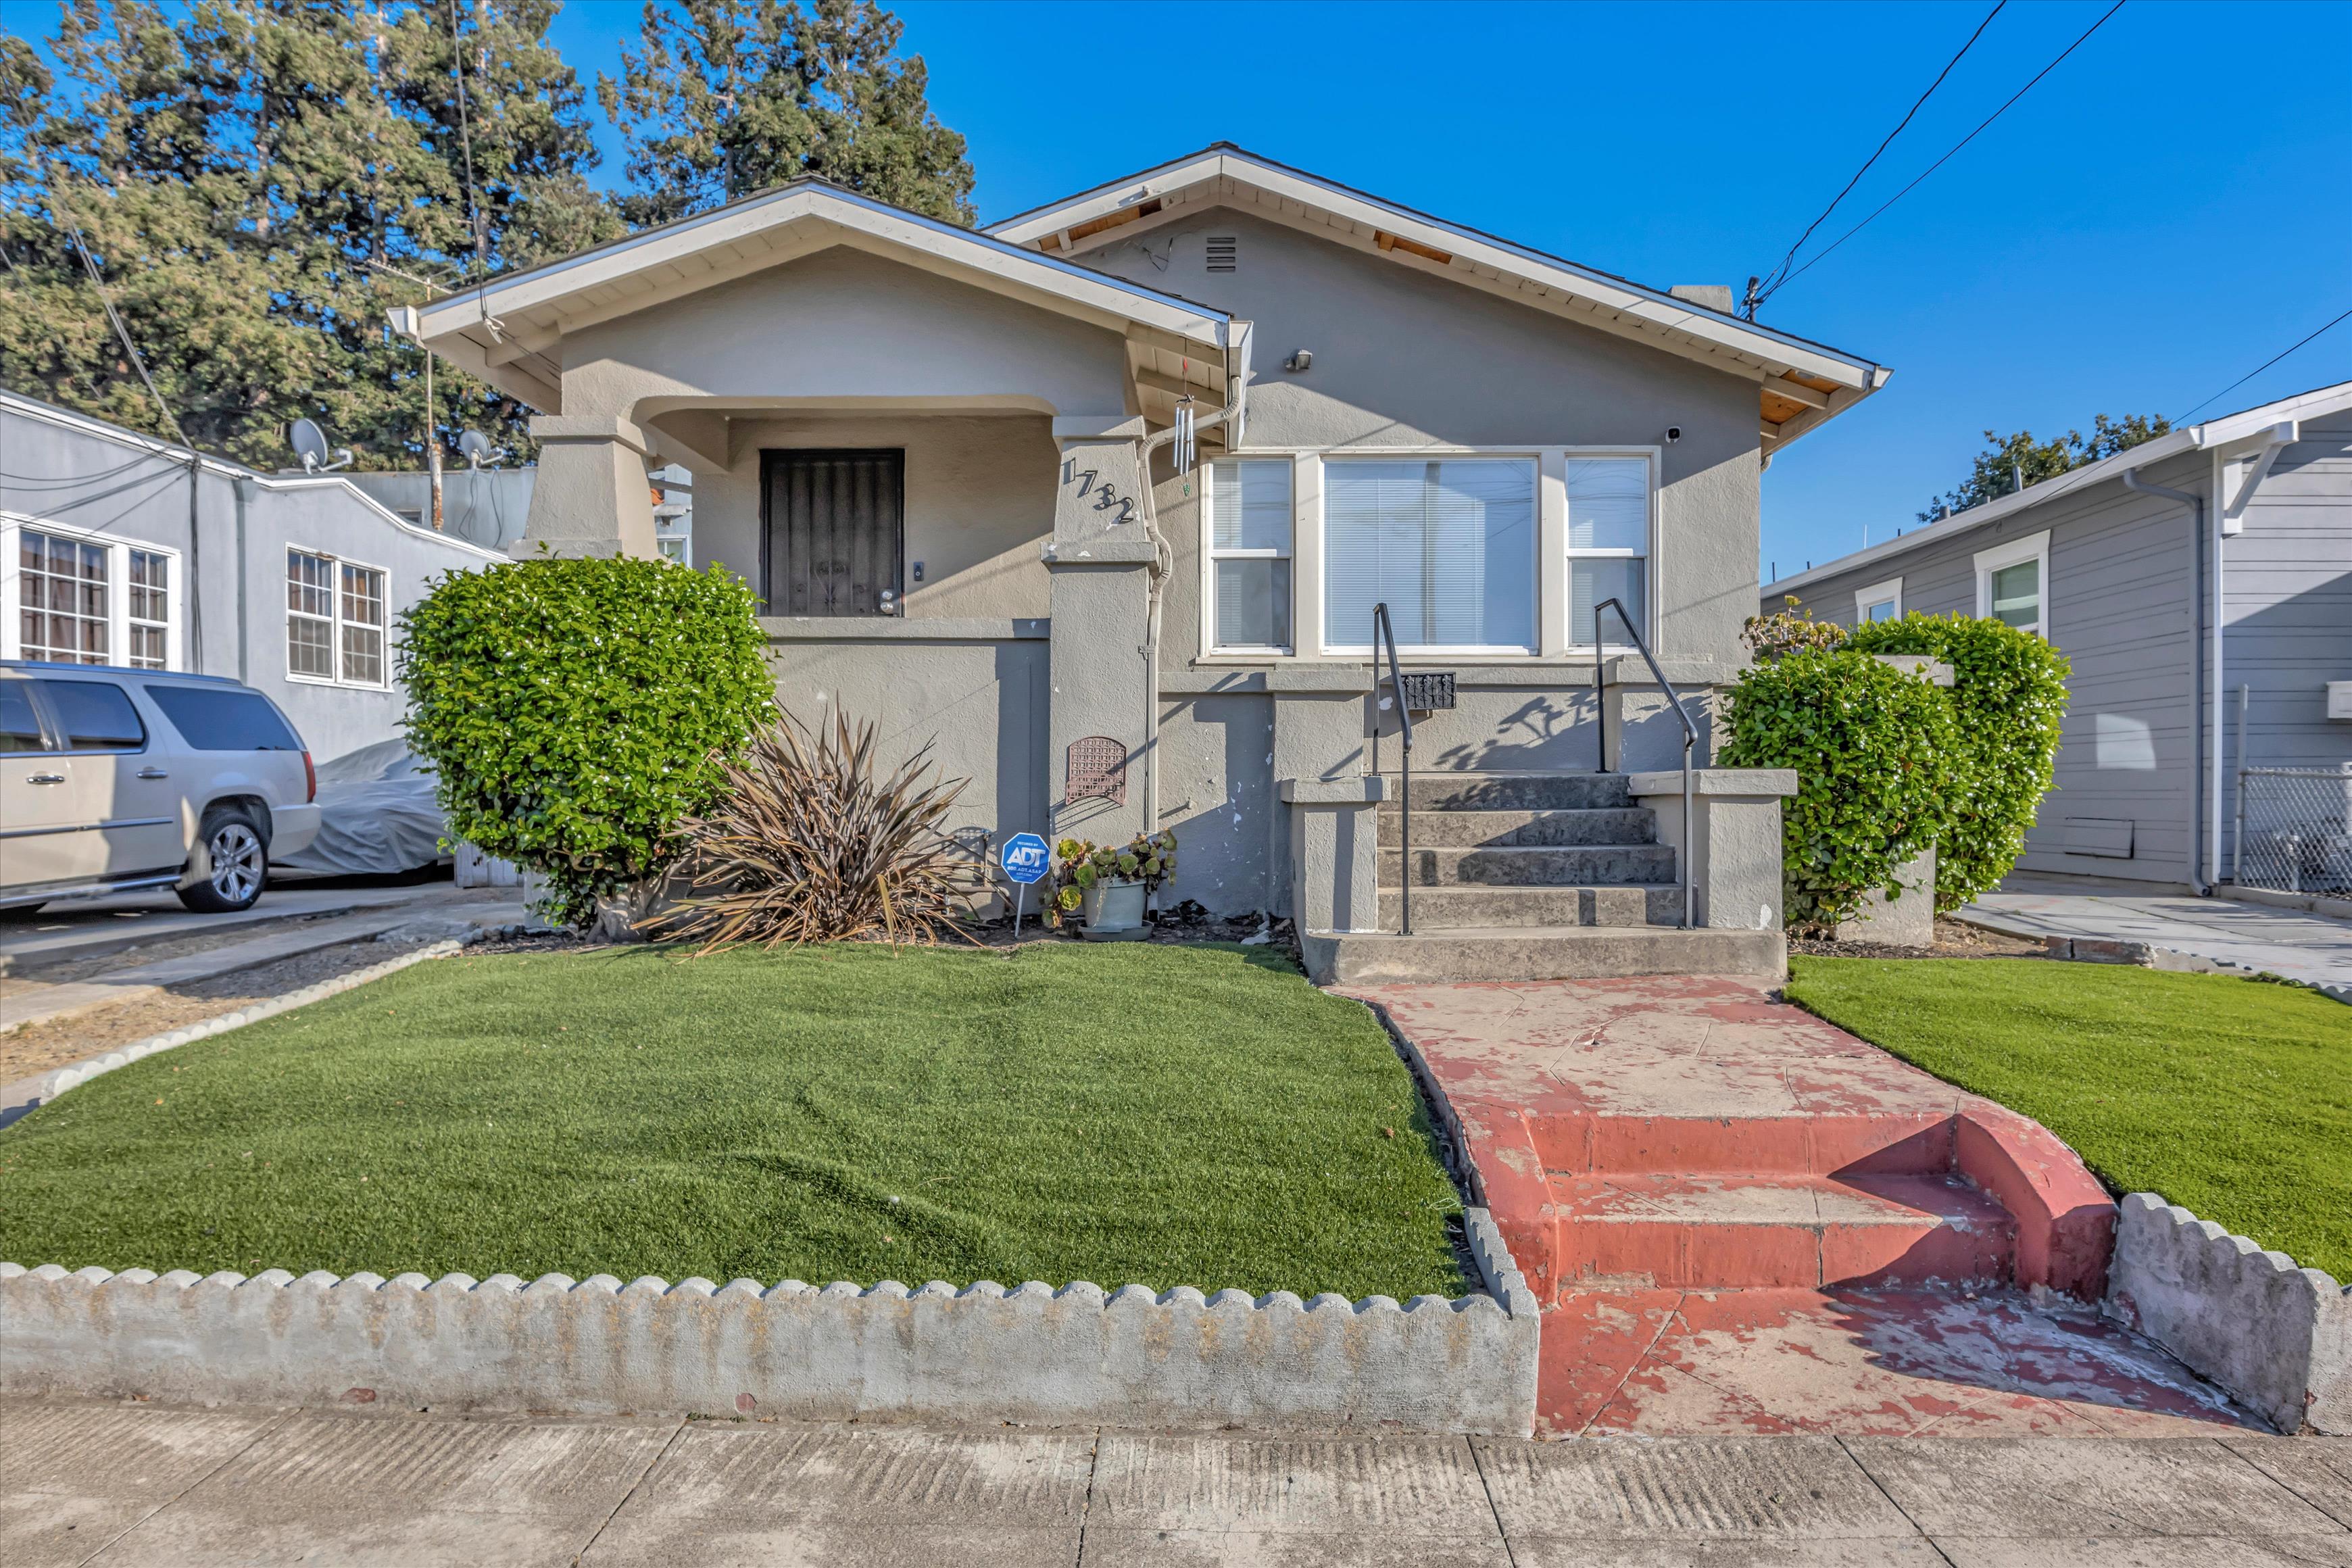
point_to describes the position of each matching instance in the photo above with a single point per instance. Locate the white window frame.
(335, 596)
(1647, 555)
(1538, 552)
(118, 587)
(2031, 547)
(1888, 592)
(1210, 555)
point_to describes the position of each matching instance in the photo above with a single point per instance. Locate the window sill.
(340, 685)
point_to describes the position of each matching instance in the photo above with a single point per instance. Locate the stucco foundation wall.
(1079, 1355)
(974, 690)
(1216, 792)
(2278, 1337)
(979, 503)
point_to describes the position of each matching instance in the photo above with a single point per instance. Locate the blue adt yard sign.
(1025, 858)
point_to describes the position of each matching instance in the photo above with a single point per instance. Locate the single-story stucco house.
(950, 463)
(2200, 585)
(116, 548)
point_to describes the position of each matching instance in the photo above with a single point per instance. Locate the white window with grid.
(1608, 513)
(70, 595)
(1249, 508)
(1447, 544)
(335, 620)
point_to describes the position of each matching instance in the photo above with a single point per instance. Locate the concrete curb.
(2277, 1336)
(1033, 1354)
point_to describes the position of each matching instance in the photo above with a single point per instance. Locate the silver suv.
(112, 779)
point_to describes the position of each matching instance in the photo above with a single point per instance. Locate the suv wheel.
(240, 863)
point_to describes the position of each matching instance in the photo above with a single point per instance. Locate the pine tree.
(258, 184)
(725, 98)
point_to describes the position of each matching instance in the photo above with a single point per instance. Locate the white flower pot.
(1111, 906)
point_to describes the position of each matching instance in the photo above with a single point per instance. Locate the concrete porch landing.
(1740, 1218)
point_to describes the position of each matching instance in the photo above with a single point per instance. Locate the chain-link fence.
(2295, 829)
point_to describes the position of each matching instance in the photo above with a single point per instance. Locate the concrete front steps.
(1530, 875)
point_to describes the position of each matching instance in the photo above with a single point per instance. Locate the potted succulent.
(1104, 888)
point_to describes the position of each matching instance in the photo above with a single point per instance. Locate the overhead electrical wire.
(1823, 253)
(1774, 279)
(2266, 365)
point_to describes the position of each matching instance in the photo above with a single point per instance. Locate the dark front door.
(832, 538)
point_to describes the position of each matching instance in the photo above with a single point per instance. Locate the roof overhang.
(511, 330)
(1801, 384)
(2270, 424)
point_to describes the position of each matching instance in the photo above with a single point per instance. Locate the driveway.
(2315, 949)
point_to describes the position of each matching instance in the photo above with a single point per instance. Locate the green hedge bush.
(2009, 694)
(1874, 750)
(577, 709)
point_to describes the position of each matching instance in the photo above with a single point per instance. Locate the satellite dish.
(473, 447)
(309, 445)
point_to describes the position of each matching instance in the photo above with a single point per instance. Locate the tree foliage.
(1995, 471)
(578, 711)
(252, 178)
(1873, 752)
(724, 97)
(2008, 697)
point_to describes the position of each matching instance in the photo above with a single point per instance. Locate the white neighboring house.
(116, 548)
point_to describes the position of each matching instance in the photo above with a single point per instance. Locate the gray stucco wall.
(979, 503)
(482, 505)
(238, 627)
(2127, 606)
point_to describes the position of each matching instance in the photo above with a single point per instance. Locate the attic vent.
(1223, 253)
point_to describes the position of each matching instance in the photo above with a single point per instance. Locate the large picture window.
(1249, 554)
(334, 620)
(70, 597)
(1449, 545)
(1608, 546)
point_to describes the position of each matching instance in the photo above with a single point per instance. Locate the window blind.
(1449, 545)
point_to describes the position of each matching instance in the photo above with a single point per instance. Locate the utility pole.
(432, 440)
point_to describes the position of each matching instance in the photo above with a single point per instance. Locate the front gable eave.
(511, 330)
(1801, 384)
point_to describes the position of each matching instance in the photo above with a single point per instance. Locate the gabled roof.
(510, 329)
(1801, 383)
(2266, 422)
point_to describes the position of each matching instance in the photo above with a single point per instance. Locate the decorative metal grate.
(1094, 766)
(2292, 832)
(1429, 691)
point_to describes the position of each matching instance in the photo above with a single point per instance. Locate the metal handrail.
(1600, 726)
(1382, 632)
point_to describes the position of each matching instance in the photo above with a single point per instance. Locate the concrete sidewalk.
(111, 1485)
(2315, 949)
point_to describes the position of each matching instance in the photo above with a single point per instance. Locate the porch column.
(1100, 573)
(591, 495)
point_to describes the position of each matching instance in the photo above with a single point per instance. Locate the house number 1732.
(1105, 495)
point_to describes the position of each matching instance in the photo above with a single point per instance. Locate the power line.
(123, 333)
(2264, 365)
(1774, 279)
(1964, 141)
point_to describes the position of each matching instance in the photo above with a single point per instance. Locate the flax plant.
(813, 842)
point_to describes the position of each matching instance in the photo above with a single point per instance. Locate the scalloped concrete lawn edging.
(1079, 1355)
(2277, 1336)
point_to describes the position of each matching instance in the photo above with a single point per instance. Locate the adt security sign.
(1025, 858)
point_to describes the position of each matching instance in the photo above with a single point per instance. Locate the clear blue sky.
(2167, 209)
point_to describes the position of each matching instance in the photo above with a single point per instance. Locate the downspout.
(2210, 812)
(242, 489)
(1163, 563)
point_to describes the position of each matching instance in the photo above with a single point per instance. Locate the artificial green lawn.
(1136, 1113)
(2230, 1096)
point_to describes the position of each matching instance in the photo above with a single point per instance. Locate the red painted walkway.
(1741, 1219)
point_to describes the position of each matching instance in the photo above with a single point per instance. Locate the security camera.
(1673, 433)
(1300, 361)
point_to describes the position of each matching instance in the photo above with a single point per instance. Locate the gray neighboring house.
(290, 582)
(945, 459)
(487, 506)
(2200, 585)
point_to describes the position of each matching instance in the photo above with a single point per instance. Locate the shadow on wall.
(1502, 731)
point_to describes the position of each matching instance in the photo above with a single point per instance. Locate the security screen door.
(833, 533)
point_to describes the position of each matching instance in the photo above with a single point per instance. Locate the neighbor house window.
(1448, 543)
(71, 596)
(1249, 553)
(334, 620)
(1608, 545)
(1879, 602)
(2013, 584)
